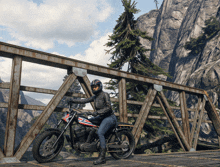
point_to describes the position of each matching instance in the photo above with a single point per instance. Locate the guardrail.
(187, 137)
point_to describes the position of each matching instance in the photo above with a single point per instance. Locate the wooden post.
(185, 115)
(13, 106)
(122, 101)
(85, 83)
(175, 122)
(39, 123)
(143, 114)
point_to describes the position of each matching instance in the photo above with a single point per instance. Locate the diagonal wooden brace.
(143, 114)
(85, 83)
(39, 123)
(212, 114)
(175, 122)
(185, 115)
(201, 114)
(1, 154)
(171, 124)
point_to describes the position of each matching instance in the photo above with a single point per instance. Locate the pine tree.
(127, 51)
(156, 2)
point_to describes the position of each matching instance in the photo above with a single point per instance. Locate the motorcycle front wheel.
(42, 148)
(126, 140)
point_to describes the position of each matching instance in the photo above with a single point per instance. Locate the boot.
(101, 159)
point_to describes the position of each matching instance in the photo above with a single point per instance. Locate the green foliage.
(126, 49)
(211, 29)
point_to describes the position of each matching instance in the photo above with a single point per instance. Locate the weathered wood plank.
(30, 55)
(122, 101)
(143, 114)
(212, 114)
(50, 91)
(170, 121)
(1, 154)
(195, 119)
(176, 124)
(85, 83)
(185, 115)
(13, 107)
(201, 114)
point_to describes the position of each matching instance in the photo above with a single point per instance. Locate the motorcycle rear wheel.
(42, 148)
(127, 139)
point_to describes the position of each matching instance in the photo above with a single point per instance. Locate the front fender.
(52, 129)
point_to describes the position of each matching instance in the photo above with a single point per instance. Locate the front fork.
(64, 130)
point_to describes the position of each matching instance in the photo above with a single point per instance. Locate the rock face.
(172, 26)
(175, 23)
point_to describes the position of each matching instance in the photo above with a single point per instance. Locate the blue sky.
(71, 28)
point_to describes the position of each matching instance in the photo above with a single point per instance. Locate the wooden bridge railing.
(186, 136)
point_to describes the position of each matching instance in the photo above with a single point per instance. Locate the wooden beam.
(195, 119)
(212, 114)
(171, 123)
(201, 114)
(122, 101)
(50, 91)
(175, 122)
(85, 83)
(138, 126)
(185, 115)
(1, 154)
(39, 123)
(13, 107)
(30, 55)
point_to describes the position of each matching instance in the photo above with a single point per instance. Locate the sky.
(77, 29)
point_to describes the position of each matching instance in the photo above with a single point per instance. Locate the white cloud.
(96, 52)
(5, 70)
(65, 21)
(42, 76)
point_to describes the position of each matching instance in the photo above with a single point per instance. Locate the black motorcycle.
(83, 138)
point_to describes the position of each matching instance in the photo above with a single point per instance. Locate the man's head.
(96, 86)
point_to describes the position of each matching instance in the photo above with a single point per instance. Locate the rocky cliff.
(172, 26)
(175, 23)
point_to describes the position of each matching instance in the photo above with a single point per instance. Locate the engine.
(81, 134)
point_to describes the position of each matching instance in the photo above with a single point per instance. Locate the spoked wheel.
(43, 150)
(123, 145)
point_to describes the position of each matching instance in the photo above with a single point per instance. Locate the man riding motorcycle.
(103, 114)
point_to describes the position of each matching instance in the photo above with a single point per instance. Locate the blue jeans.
(105, 125)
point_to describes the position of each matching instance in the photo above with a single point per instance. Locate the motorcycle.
(83, 138)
